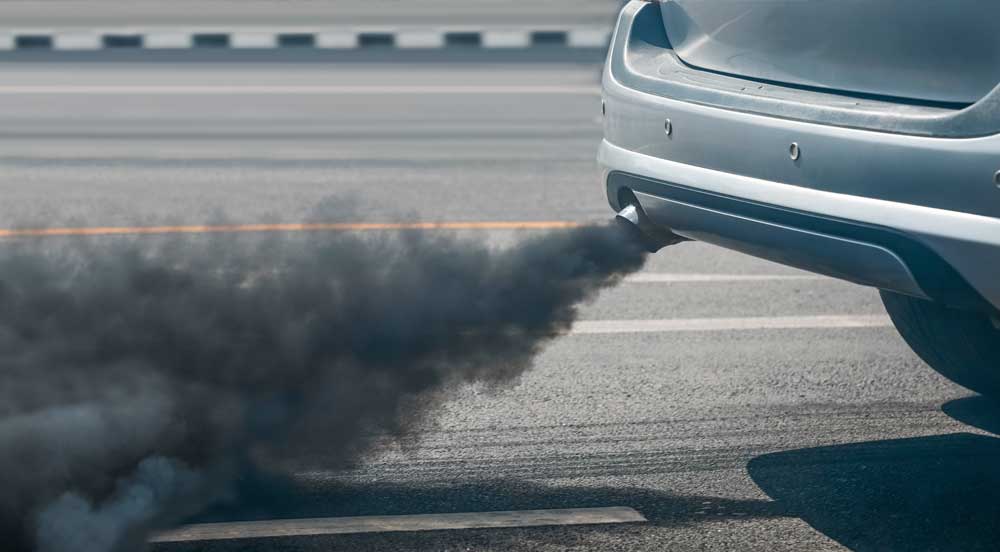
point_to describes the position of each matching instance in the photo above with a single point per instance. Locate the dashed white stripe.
(168, 40)
(679, 278)
(589, 38)
(76, 41)
(253, 40)
(506, 39)
(336, 40)
(420, 39)
(268, 38)
(387, 524)
(584, 327)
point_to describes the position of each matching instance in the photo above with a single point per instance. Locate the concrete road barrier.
(249, 38)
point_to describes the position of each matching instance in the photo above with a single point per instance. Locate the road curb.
(308, 38)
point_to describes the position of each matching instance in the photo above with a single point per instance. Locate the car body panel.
(932, 51)
(968, 243)
(954, 174)
(643, 59)
(938, 191)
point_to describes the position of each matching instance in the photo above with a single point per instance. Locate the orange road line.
(293, 227)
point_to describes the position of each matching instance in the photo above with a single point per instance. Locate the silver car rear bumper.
(908, 213)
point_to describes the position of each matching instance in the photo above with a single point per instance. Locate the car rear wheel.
(962, 346)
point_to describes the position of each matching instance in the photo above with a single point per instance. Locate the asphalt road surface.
(776, 425)
(282, 13)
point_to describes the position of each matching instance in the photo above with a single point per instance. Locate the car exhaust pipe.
(652, 237)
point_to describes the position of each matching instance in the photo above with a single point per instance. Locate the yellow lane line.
(292, 227)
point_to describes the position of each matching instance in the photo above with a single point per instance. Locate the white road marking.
(728, 324)
(506, 39)
(76, 41)
(111, 90)
(385, 524)
(420, 39)
(589, 38)
(253, 40)
(336, 40)
(677, 278)
(257, 36)
(167, 40)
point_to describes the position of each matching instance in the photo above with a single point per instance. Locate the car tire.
(962, 346)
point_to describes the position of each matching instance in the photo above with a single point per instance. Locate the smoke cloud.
(139, 377)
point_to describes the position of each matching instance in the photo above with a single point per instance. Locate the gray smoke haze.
(140, 377)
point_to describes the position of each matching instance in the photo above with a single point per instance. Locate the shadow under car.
(940, 492)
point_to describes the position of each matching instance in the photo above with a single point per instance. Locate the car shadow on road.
(930, 493)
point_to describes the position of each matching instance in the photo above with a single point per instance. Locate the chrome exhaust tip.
(652, 237)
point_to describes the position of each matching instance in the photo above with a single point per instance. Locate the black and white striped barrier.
(334, 39)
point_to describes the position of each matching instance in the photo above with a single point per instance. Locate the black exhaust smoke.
(138, 378)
